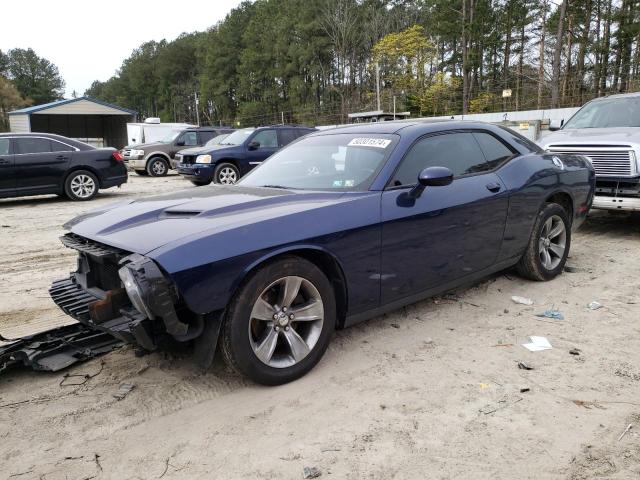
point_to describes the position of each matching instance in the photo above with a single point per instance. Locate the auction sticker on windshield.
(369, 142)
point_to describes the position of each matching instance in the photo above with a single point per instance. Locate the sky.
(88, 40)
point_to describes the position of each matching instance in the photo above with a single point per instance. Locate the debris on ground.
(575, 351)
(525, 389)
(123, 391)
(504, 402)
(522, 300)
(524, 366)
(625, 431)
(82, 378)
(594, 305)
(551, 313)
(570, 269)
(395, 325)
(311, 472)
(587, 404)
(537, 344)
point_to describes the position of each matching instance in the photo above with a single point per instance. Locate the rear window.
(32, 145)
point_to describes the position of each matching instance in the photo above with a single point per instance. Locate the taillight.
(117, 156)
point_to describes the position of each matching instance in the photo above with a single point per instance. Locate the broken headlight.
(134, 291)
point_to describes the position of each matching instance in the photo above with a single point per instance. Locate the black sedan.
(340, 226)
(42, 163)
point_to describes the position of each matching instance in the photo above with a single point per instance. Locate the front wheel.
(226, 173)
(157, 167)
(548, 246)
(81, 185)
(280, 322)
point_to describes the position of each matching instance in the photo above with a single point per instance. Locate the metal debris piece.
(522, 300)
(524, 366)
(594, 305)
(625, 431)
(575, 351)
(525, 389)
(57, 348)
(551, 313)
(311, 472)
(123, 391)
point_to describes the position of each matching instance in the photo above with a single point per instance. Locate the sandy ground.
(430, 391)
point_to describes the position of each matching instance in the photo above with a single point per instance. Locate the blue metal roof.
(45, 106)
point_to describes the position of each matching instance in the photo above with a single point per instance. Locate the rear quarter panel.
(531, 180)
(101, 162)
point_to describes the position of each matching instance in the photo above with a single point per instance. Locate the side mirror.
(180, 143)
(431, 177)
(562, 123)
(253, 145)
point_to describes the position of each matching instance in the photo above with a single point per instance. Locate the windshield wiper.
(273, 186)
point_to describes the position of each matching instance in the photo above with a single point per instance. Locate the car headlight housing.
(203, 159)
(134, 291)
(137, 153)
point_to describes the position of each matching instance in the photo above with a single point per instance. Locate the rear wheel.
(226, 173)
(81, 185)
(548, 246)
(279, 324)
(157, 167)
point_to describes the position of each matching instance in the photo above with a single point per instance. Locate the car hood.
(204, 150)
(144, 225)
(147, 146)
(592, 136)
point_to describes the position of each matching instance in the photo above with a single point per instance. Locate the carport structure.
(85, 119)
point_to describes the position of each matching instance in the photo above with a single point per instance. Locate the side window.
(190, 139)
(266, 138)
(60, 147)
(32, 145)
(287, 136)
(458, 151)
(494, 150)
(205, 136)
(4, 146)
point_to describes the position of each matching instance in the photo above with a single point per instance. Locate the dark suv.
(41, 163)
(237, 154)
(157, 158)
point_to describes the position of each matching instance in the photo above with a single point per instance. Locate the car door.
(40, 164)
(7, 169)
(449, 231)
(262, 145)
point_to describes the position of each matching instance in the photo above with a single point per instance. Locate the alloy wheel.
(159, 168)
(82, 186)
(227, 176)
(552, 242)
(286, 322)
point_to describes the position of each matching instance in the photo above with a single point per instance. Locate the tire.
(245, 339)
(226, 173)
(142, 173)
(200, 184)
(81, 185)
(157, 167)
(551, 234)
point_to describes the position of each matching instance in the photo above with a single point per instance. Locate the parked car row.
(41, 163)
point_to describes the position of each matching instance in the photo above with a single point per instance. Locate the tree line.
(26, 79)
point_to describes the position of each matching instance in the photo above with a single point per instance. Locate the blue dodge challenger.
(338, 227)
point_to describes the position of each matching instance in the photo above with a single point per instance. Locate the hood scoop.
(179, 213)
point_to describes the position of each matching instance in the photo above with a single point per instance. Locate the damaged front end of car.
(124, 294)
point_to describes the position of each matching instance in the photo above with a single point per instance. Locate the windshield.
(171, 136)
(238, 137)
(611, 113)
(216, 140)
(325, 162)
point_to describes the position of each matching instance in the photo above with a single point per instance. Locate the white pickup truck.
(607, 131)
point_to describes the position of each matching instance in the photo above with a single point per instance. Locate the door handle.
(62, 157)
(493, 187)
(3, 161)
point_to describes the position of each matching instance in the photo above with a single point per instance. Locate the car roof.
(429, 125)
(617, 95)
